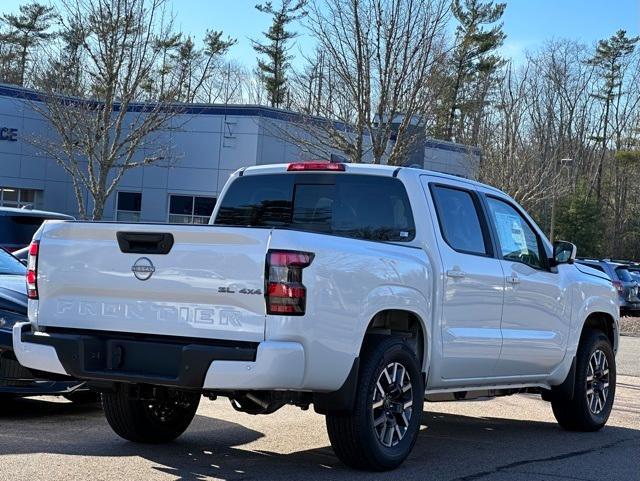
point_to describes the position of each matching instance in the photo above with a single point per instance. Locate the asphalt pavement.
(507, 439)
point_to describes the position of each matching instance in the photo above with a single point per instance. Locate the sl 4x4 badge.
(230, 290)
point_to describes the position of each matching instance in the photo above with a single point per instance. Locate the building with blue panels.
(207, 143)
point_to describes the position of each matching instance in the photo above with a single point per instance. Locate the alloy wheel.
(392, 404)
(597, 381)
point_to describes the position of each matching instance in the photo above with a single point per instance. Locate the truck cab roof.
(369, 169)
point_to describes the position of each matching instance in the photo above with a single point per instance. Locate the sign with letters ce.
(9, 134)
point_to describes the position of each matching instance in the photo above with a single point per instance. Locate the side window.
(459, 220)
(518, 241)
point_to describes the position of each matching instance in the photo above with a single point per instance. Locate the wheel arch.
(601, 321)
(386, 322)
(401, 322)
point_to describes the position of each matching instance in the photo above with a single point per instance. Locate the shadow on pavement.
(450, 447)
(33, 408)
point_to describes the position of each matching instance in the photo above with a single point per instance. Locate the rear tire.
(150, 421)
(595, 386)
(383, 427)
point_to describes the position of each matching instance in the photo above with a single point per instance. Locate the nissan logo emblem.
(143, 269)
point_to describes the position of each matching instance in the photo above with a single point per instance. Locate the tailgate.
(208, 285)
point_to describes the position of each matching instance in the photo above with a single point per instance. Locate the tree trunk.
(98, 207)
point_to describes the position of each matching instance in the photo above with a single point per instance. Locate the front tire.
(595, 386)
(150, 420)
(383, 427)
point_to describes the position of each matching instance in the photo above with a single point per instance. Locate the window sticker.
(511, 233)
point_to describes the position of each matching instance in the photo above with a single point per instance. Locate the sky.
(527, 23)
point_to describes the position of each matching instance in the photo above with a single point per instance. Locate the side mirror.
(564, 252)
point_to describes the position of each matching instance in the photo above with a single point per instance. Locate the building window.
(189, 209)
(128, 206)
(27, 198)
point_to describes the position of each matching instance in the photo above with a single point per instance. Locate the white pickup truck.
(363, 290)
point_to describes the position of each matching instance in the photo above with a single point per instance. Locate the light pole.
(567, 162)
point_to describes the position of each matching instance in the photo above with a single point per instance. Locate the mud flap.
(340, 401)
(564, 390)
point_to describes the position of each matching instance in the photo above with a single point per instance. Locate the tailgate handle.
(145, 242)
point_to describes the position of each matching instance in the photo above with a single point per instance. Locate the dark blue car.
(16, 380)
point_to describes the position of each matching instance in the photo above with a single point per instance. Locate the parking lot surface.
(512, 439)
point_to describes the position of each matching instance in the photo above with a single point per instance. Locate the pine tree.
(580, 220)
(28, 30)
(608, 61)
(473, 53)
(168, 48)
(273, 70)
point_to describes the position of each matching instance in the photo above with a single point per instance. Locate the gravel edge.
(630, 326)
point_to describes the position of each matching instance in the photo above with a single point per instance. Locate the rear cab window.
(359, 206)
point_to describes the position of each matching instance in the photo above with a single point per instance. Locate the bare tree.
(228, 84)
(371, 77)
(101, 136)
(512, 163)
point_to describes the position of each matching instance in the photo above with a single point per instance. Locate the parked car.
(635, 274)
(15, 380)
(363, 290)
(17, 226)
(625, 283)
(634, 270)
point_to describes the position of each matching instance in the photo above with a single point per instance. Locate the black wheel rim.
(597, 382)
(392, 404)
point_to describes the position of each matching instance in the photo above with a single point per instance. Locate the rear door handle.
(513, 279)
(455, 274)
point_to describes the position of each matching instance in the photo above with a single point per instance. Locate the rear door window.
(459, 219)
(350, 205)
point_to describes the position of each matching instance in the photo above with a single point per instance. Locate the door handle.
(455, 274)
(513, 279)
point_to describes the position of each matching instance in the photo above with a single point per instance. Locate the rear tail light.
(32, 270)
(301, 166)
(284, 292)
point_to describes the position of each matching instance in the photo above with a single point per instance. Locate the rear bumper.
(159, 360)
